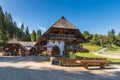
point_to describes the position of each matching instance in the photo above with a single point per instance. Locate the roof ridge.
(60, 24)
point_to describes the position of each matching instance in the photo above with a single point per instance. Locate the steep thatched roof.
(63, 23)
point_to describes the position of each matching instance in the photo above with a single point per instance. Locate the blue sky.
(95, 16)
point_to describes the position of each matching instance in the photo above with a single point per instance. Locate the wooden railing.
(62, 36)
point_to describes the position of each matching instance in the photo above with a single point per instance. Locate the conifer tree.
(27, 35)
(21, 32)
(1, 23)
(38, 35)
(33, 36)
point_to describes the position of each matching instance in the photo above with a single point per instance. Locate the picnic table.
(101, 63)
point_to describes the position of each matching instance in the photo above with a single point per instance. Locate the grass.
(100, 52)
(92, 48)
(113, 50)
(113, 60)
(95, 48)
(90, 55)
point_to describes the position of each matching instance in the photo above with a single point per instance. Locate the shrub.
(84, 50)
(72, 55)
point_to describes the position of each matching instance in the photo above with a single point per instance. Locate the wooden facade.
(17, 48)
(62, 34)
(14, 49)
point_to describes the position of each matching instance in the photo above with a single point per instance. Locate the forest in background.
(110, 40)
(10, 30)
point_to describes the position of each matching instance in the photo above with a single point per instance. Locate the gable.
(63, 23)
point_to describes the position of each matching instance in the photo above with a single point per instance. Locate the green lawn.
(90, 55)
(113, 50)
(95, 48)
(113, 60)
(91, 48)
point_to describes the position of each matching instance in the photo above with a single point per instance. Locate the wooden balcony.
(62, 36)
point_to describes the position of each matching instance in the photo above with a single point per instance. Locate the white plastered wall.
(60, 44)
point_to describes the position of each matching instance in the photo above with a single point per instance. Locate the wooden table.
(101, 63)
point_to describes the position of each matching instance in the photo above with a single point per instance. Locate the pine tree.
(111, 37)
(10, 26)
(16, 29)
(33, 36)
(1, 24)
(21, 32)
(38, 35)
(27, 35)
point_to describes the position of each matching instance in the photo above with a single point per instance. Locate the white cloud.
(42, 28)
(30, 31)
(18, 22)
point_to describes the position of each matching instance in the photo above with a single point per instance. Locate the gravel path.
(39, 68)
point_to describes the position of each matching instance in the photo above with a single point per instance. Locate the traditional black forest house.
(63, 36)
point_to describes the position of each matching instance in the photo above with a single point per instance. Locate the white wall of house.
(60, 44)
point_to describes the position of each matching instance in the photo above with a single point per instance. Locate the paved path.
(109, 55)
(39, 68)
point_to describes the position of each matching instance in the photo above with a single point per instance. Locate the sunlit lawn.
(92, 48)
(90, 55)
(113, 60)
(113, 50)
(95, 48)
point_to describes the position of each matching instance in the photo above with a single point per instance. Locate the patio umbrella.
(28, 47)
(48, 45)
